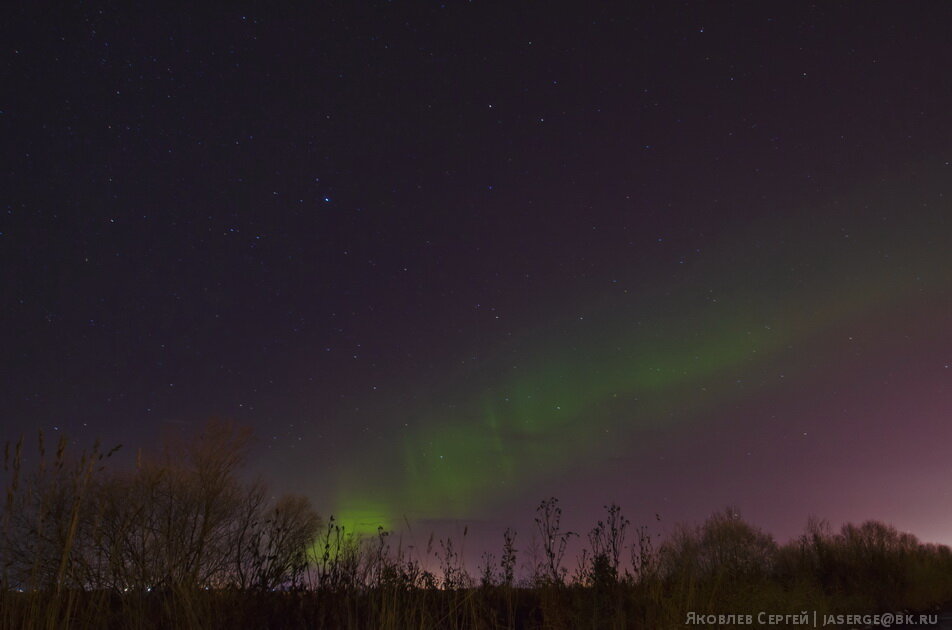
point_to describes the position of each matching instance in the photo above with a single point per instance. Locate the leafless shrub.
(724, 546)
(554, 541)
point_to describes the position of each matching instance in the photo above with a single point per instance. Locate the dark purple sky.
(449, 259)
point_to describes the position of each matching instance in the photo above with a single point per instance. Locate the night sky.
(449, 259)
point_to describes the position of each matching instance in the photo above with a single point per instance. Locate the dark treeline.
(181, 541)
(181, 518)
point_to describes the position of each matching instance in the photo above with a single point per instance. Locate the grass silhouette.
(182, 542)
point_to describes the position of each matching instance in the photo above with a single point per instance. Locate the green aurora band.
(592, 386)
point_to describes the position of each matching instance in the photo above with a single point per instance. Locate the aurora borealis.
(447, 259)
(594, 386)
